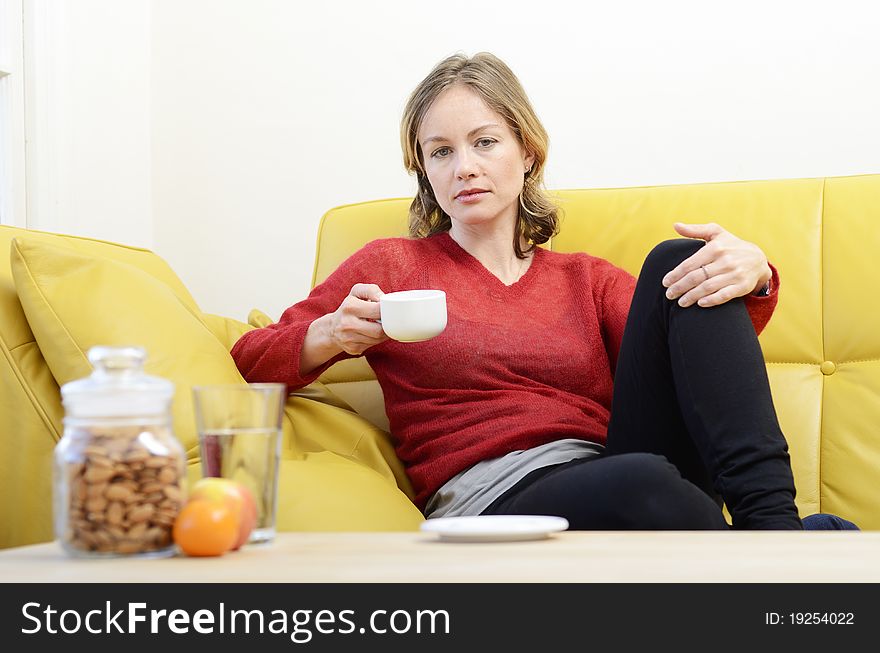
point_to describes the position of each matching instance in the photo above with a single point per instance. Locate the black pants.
(692, 424)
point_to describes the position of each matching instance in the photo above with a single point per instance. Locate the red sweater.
(516, 367)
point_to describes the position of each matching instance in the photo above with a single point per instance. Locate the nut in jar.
(123, 492)
(119, 468)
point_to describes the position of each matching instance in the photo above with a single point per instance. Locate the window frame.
(13, 186)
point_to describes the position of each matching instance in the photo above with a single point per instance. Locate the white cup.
(413, 315)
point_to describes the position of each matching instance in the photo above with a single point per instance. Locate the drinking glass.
(239, 428)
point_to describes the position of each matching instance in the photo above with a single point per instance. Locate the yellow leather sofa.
(822, 346)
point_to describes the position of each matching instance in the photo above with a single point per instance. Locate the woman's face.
(474, 162)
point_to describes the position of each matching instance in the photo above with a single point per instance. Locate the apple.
(236, 495)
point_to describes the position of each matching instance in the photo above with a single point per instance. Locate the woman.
(510, 409)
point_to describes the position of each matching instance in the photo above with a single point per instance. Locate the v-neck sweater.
(517, 366)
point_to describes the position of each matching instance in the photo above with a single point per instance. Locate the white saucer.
(495, 528)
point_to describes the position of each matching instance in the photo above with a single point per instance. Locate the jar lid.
(118, 386)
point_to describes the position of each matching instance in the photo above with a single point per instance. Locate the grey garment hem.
(473, 490)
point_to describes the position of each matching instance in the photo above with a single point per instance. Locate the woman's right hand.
(354, 326)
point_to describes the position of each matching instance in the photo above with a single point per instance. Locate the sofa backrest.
(822, 346)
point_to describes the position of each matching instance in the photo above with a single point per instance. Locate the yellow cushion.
(30, 404)
(322, 422)
(225, 329)
(73, 302)
(326, 492)
(258, 319)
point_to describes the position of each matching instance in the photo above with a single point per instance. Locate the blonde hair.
(499, 88)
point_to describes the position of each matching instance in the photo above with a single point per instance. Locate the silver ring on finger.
(705, 272)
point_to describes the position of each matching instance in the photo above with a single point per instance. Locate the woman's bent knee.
(669, 253)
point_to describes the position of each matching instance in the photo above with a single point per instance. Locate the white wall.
(87, 111)
(267, 113)
(262, 114)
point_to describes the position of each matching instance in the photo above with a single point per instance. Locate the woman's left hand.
(726, 267)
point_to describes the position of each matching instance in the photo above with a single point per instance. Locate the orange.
(206, 528)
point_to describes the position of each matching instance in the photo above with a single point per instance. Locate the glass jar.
(119, 469)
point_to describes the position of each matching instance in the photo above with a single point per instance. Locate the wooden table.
(816, 556)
